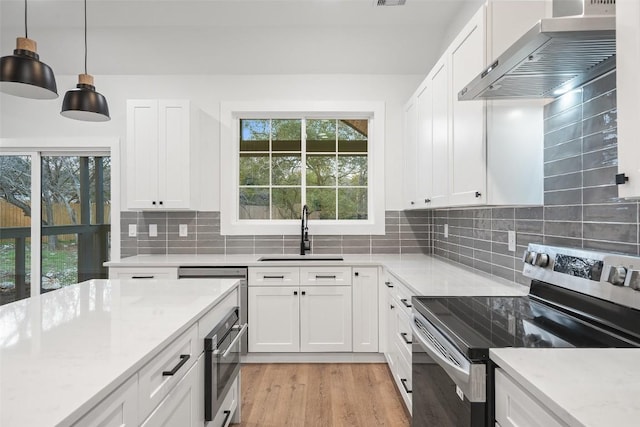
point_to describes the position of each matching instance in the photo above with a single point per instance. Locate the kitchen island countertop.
(582, 387)
(63, 352)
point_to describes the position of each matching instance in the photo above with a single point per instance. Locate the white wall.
(22, 118)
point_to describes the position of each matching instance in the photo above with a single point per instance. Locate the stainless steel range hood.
(555, 56)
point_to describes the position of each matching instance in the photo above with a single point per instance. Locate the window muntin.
(286, 163)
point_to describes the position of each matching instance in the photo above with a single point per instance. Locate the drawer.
(216, 314)
(333, 276)
(143, 273)
(404, 335)
(516, 408)
(229, 405)
(153, 386)
(403, 379)
(274, 276)
(119, 409)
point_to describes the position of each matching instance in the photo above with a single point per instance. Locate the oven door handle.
(234, 342)
(435, 354)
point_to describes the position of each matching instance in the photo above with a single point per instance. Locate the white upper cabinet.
(424, 107)
(160, 154)
(628, 94)
(410, 147)
(439, 80)
(476, 152)
(467, 151)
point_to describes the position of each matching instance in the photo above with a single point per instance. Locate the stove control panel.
(609, 276)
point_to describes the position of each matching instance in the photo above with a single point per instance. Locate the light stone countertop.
(62, 352)
(424, 274)
(582, 387)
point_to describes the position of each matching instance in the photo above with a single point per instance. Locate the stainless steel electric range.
(577, 298)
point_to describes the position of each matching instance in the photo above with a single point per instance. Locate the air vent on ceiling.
(390, 2)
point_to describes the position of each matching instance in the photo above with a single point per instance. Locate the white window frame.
(38, 147)
(230, 115)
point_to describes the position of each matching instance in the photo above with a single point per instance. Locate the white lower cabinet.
(183, 405)
(325, 318)
(294, 319)
(274, 319)
(119, 409)
(313, 315)
(365, 309)
(515, 407)
(398, 335)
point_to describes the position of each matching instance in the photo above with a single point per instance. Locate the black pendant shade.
(23, 74)
(85, 103)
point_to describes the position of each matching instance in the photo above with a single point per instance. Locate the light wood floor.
(322, 395)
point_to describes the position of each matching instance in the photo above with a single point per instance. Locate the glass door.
(15, 227)
(75, 219)
(70, 219)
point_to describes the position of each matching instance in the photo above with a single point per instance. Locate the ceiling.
(143, 37)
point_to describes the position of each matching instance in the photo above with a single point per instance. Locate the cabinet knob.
(413, 203)
(160, 201)
(153, 203)
(621, 178)
(427, 200)
(295, 292)
(392, 306)
(478, 194)
(356, 274)
(304, 292)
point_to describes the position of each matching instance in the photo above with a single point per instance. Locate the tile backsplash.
(581, 204)
(405, 232)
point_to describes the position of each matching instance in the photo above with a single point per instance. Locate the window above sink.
(278, 157)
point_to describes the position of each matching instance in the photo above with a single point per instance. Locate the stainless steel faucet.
(305, 244)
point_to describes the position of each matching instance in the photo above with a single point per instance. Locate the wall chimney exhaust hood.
(557, 55)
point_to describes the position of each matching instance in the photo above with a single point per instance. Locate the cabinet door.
(274, 321)
(174, 154)
(424, 107)
(119, 409)
(365, 309)
(325, 318)
(410, 149)
(440, 129)
(184, 405)
(142, 154)
(628, 94)
(467, 153)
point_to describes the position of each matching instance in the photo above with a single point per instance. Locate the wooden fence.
(12, 216)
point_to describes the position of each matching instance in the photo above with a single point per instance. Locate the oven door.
(437, 399)
(222, 361)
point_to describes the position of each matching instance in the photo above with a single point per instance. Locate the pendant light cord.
(26, 32)
(85, 36)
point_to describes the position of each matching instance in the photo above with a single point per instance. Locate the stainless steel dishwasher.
(224, 273)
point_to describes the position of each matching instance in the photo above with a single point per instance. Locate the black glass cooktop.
(476, 324)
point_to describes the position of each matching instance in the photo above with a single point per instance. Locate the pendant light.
(22, 74)
(85, 103)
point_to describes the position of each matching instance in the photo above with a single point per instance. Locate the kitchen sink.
(301, 258)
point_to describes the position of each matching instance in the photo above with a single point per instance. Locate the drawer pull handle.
(404, 337)
(273, 277)
(389, 285)
(406, 304)
(326, 277)
(142, 277)
(183, 360)
(404, 384)
(227, 414)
